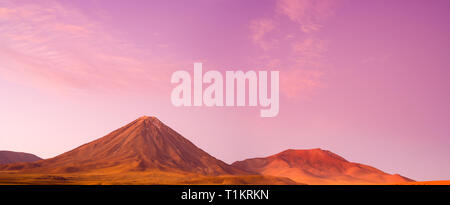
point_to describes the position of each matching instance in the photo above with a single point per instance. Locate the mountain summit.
(317, 166)
(143, 145)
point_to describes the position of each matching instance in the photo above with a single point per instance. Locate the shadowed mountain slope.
(8, 157)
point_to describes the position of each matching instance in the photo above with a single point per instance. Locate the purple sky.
(367, 80)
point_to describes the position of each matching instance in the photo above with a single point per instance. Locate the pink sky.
(367, 80)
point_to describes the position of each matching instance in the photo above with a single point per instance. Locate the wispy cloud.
(301, 52)
(259, 29)
(309, 14)
(59, 46)
(296, 81)
(309, 52)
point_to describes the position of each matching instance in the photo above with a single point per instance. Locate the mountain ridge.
(317, 166)
(8, 157)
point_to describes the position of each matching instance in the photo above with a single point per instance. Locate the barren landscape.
(146, 151)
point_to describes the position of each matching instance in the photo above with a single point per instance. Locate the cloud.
(308, 13)
(295, 83)
(309, 52)
(6, 12)
(59, 47)
(300, 52)
(259, 28)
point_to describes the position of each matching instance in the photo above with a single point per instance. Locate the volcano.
(145, 144)
(146, 151)
(317, 166)
(8, 157)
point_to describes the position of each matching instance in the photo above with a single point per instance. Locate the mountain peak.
(149, 121)
(145, 144)
(145, 117)
(311, 154)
